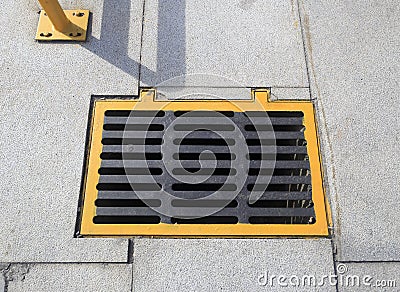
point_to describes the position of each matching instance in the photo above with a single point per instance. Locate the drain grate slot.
(126, 220)
(127, 203)
(207, 220)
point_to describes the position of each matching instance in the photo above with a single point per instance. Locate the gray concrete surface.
(202, 93)
(355, 78)
(346, 51)
(45, 93)
(227, 264)
(279, 93)
(251, 44)
(228, 93)
(74, 277)
(369, 277)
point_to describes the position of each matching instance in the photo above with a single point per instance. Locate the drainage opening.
(136, 158)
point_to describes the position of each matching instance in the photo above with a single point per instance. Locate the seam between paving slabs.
(328, 157)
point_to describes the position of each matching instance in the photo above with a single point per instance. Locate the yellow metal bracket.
(58, 24)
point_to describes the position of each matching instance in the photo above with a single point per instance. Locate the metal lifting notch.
(58, 24)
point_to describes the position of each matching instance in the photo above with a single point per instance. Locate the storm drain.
(184, 168)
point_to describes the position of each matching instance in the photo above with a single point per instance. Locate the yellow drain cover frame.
(260, 100)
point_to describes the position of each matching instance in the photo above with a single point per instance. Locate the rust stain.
(295, 21)
(309, 48)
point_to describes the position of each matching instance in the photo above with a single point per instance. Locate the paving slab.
(228, 264)
(352, 49)
(203, 93)
(45, 94)
(383, 276)
(284, 93)
(251, 43)
(74, 277)
(228, 93)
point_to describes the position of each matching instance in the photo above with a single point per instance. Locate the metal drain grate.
(142, 154)
(286, 200)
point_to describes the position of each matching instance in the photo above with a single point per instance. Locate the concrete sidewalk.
(344, 56)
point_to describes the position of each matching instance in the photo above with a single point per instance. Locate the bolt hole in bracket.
(76, 30)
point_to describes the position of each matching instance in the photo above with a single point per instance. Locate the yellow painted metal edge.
(260, 100)
(328, 208)
(76, 31)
